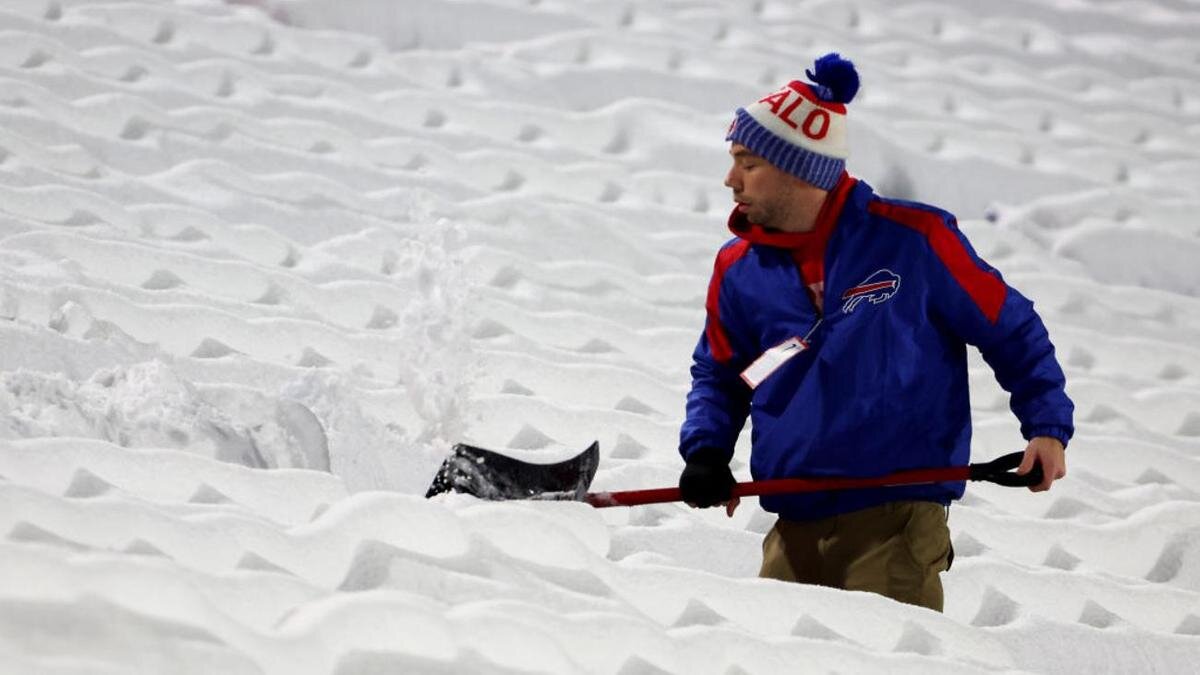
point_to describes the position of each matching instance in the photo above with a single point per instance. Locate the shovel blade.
(489, 475)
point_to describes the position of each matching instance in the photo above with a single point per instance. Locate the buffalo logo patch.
(879, 287)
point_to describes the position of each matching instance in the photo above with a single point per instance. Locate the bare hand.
(1049, 452)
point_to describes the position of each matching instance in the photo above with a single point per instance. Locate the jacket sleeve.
(719, 401)
(975, 302)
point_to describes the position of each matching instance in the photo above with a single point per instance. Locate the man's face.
(761, 190)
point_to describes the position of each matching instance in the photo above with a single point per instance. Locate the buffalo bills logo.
(879, 287)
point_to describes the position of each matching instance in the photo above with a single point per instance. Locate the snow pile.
(263, 262)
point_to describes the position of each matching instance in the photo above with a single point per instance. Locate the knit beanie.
(801, 128)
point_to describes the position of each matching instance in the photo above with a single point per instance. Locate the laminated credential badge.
(772, 359)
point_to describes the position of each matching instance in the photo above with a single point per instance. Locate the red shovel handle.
(995, 471)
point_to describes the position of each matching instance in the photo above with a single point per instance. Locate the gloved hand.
(706, 480)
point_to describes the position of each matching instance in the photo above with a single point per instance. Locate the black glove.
(706, 480)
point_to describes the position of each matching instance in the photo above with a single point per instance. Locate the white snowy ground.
(257, 274)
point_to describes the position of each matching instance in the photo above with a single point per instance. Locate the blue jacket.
(882, 385)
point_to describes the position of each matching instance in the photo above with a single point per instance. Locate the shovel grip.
(996, 471)
(1000, 471)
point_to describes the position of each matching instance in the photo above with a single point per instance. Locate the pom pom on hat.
(836, 78)
(801, 128)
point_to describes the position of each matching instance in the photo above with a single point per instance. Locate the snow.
(262, 263)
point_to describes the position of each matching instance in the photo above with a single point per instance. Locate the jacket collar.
(826, 220)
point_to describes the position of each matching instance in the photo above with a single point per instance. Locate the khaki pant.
(896, 549)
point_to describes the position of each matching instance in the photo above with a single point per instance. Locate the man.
(838, 321)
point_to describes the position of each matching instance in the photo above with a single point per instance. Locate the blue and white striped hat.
(801, 128)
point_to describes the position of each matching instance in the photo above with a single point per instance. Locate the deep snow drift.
(263, 262)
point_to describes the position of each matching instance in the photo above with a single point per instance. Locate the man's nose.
(732, 180)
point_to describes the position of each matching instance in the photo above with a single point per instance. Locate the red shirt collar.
(826, 220)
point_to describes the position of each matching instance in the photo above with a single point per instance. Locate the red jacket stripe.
(985, 289)
(718, 339)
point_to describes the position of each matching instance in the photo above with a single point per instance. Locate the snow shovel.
(489, 475)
